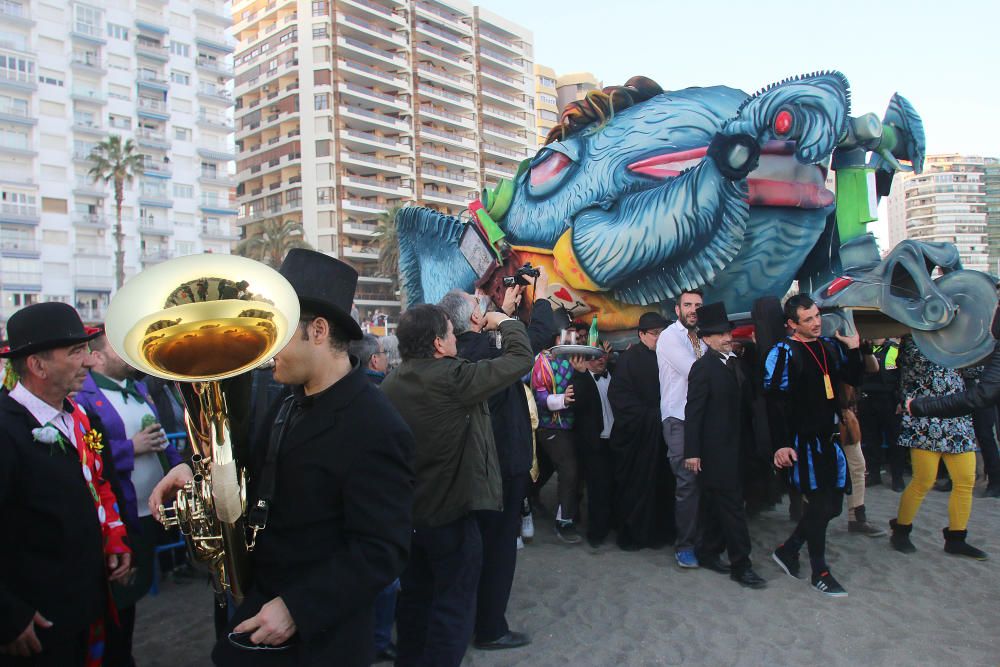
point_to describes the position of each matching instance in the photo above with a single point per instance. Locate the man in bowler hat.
(66, 537)
(716, 419)
(331, 490)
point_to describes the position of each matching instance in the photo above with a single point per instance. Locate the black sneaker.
(828, 586)
(788, 562)
(566, 531)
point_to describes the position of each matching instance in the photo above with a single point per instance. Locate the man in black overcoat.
(717, 420)
(643, 505)
(511, 425)
(592, 428)
(338, 524)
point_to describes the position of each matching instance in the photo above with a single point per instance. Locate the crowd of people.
(393, 479)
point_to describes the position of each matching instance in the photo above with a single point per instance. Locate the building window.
(319, 9)
(116, 31)
(182, 78)
(182, 134)
(319, 31)
(183, 191)
(548, 115)
(324, 195)
(13, 68)
(180, 49)
(321, 102)
(546, 82)
(547, 99)
(88, 20)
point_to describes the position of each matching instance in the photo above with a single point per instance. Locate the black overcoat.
(53, 555)
(717, 419)
(340, 524)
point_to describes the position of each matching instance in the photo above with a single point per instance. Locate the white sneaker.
(527, 527)
(520, 543)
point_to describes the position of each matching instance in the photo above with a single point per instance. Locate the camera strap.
(258, 514)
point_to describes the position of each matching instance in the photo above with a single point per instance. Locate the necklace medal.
(828, 385)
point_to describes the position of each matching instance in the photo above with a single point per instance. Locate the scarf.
(130, 390)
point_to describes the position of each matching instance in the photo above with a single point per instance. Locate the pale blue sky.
(943, 55)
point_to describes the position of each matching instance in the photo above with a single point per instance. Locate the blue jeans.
(385, 613)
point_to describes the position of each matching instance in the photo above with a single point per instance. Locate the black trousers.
(819, 508)
(599, 475)
(560, 446)
(436, 609)
(985, 423)
(499, 532)
(880, 426)
(723, 523)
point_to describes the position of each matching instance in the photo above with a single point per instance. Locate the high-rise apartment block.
(348, 108)
(546, 101)
(947, 202)
(575, 86)
(73, 73)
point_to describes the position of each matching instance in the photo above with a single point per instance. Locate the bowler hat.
(325, 286)
(712, 319)
(652, 320)
(44, 326)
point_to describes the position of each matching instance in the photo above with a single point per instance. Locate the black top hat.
(44, 326)
(712, 319)
(325, 286)
(652, 321)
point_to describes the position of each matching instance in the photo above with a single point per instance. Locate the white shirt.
(602, 389)
(675, 356)
(43, 412)
(146, 468)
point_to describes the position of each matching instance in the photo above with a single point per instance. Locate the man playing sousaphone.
(335, 477)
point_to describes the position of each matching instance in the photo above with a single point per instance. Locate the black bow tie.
(600, 376)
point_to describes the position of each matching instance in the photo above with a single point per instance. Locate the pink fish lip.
(779, 180)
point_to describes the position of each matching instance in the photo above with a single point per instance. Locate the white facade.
(73, 73)
(346, 108)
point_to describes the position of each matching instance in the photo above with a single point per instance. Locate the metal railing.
(19, 245)
(388, 55)
(371, 114)
(152, 105)
(362, 157)
(441, 73)
(388, 76)
(366, 204)
(17, 76)
(445, 135)
(446, 155)
(441, 93)
(12, 110)
(21, 210)
(444, 195)
(368, 136)
(453, 175)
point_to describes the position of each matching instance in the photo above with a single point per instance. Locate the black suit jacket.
(716, 419)
(52, 560)
(340, 523)
(588, 413)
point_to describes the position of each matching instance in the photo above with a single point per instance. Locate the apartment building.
(575, 86)
(73, 73)
(546, 103)
(947, 202)
(346, 109)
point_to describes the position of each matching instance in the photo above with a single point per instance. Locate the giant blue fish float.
(640, 193)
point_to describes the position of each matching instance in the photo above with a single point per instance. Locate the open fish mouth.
(778, 180)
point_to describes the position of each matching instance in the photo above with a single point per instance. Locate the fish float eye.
(548, 167)
(783, 122)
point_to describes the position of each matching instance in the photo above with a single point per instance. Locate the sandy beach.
(608, 607)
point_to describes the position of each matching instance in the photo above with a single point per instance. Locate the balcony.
(156, 169)
(218, 205)
(504, 97)
(352, 66)
(215, 40)
(504, 135)
(87, 62)
(87, 126)
(364, 205)
(93, 313)
(500, 113)
(151, 138)
(16, 114)
(221, 154)
(156, 198)
(499, 40)
(217, 178)
(19, 214)
(216, 232)
(449, 137)
(30, 281)
(90, 221)
(452, 58)
(16, 13)
(88, 95)
(86, 282)
(376, 118)
(153, 108)
(365, 26)
(20, 248)
(264, 212)
(214, 66)
(502, 78)
(156, 226)
(361, 229)
(439, 15)
(447, 197)
(392, 188)
(88, 32)
(367, 50)
(215, 121)
(432, 155)
(389, 165)
(360, 252)
(447, 78)
(374, 9)
(444, 35)
(451, 177)
(505, 152)
(153, 22)
(154, 255)
(92, 250)
(215, 94)
(461, 102)
(18, 79)
(151, 81)
(497, 170)
(372, 95)
(370, 139)
(86, 187)
(156, 52)
(447, 117)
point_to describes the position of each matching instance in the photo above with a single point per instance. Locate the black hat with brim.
(713, 319)
(649, 321)
(325, 286)
(44, 326)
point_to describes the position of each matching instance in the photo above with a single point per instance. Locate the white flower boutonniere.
(49, 435)
(46, 434)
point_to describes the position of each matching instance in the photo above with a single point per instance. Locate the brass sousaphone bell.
(205, 321)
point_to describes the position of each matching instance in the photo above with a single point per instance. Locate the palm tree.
(388, 252)
(116, 162)
(272, 241)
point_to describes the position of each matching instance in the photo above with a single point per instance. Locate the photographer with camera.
(511, 425)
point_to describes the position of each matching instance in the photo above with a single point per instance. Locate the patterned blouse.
(921, 377)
